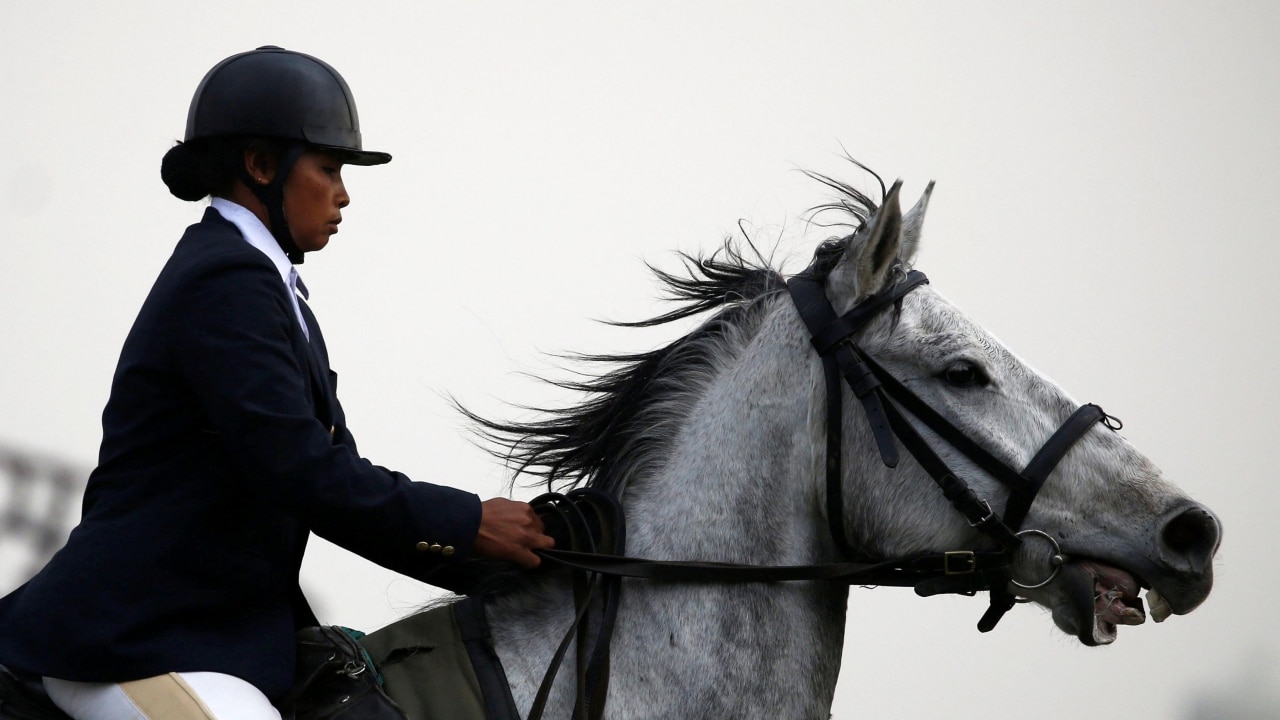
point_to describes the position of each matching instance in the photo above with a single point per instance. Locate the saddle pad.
(440, 665)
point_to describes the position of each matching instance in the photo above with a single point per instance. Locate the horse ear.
(870, 255)
(912, 223)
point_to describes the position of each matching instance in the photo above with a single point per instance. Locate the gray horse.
(715, 446)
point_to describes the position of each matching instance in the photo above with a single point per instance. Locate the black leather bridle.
(883, 398)
(590, 528)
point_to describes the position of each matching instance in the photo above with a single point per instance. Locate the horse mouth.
(1099, 599)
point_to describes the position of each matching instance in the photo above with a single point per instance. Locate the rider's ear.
(869, 257)
(260, 162)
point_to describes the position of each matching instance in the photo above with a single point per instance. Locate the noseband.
(884, 398)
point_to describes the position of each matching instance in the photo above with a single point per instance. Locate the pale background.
(1106, 204)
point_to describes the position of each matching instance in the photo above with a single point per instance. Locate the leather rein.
(590, 527)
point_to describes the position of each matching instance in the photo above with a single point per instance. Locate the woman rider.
(224, 444)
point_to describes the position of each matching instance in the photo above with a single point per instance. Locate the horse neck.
(740, 479)
(738, 482)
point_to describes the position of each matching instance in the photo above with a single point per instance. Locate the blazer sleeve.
(231, 329)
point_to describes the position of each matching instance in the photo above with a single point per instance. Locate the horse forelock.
(853, 208)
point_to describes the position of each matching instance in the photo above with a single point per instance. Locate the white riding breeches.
(175, 696)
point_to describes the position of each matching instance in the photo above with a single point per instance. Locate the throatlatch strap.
(835, 490)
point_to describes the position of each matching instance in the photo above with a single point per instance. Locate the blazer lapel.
(323, 396)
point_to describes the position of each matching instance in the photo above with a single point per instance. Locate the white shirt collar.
(257, 235)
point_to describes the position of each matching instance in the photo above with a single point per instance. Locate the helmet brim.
(361, 157)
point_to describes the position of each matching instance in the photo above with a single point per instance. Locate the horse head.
(1104, 525)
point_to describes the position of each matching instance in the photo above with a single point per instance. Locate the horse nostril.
(1192, 535)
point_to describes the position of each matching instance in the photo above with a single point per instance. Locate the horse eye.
(963, 374)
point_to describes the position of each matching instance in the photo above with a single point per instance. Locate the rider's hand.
(511, 530)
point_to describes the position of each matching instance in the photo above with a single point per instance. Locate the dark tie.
(301, 286)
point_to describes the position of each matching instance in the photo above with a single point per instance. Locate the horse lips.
(1115, 601)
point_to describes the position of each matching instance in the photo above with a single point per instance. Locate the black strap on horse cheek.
(874, 409)
(841, 358)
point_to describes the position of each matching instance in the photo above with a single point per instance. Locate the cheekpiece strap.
(840, 358)
(830, 335)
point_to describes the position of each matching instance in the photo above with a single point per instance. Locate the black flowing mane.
(627, 416)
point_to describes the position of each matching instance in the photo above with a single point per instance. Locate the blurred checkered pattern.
(39, 504)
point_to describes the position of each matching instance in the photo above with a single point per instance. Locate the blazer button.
(435, 547)
(447, 550)
(423, 546)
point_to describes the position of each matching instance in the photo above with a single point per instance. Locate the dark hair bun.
(183, 172)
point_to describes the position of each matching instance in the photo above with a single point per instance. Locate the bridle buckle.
(988, 517)
(959, 562)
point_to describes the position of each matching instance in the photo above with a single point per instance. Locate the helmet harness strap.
(271, 196)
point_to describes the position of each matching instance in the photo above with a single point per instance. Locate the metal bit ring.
(1057, 560)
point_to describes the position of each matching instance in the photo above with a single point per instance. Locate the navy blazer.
(223, 446)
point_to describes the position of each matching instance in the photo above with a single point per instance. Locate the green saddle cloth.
(440, 665)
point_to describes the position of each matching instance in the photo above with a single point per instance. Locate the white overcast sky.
(1106, 204)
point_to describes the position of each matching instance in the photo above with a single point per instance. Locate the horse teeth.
(1131, 616)
(1160, 609)
(1114, 608)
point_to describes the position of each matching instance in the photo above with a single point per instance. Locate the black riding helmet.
(282, 95)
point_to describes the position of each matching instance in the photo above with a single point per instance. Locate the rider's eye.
(965, 374)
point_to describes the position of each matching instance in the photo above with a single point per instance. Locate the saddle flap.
(432, 663)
